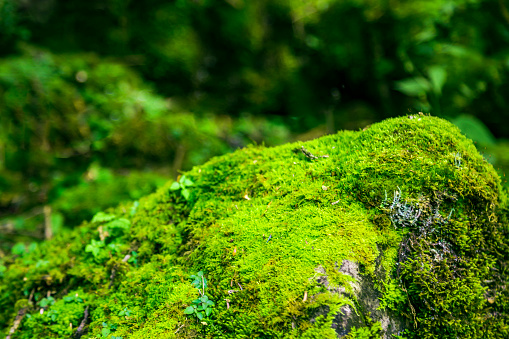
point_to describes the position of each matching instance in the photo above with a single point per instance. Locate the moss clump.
(269, 225)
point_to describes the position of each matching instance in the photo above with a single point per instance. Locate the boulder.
(396, 231)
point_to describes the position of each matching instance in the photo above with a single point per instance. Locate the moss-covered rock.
(397, 230)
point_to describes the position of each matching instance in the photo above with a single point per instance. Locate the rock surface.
(400, 229)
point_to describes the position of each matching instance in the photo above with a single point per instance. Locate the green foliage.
(291, 58)
(474, 129)
(182, 186)
(372, 332)
(201, 307)
(394, 298)
(106, 103)
(107, 330)
(56, 318)
(111, 229)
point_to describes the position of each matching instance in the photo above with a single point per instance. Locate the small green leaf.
(199, 315)
(189, 310)
(413, 86)
(185, 193)
(105, 331)
(102, 217)
(208, 311)
(204, 299)
(437, 76)
(47, 301)
(175, 186)
(119, 223)
(18, 249)
(187, 182)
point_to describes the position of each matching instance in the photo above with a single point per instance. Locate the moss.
(267, 224)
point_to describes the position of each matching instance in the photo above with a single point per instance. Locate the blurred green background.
(104, 100)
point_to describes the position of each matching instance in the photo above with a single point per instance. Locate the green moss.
(267, 224)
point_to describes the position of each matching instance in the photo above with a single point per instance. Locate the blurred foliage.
(81, 134)
(308, 61)
(129, 87)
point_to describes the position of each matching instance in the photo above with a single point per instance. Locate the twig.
(409, 303)
(308, 154)
(79, 331)
(17, 321)
(266, 209)
(112, 276)
(178, 329)
(48, 232)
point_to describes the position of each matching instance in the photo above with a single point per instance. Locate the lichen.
(261, 221)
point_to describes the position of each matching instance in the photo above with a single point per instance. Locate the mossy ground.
(260, 221)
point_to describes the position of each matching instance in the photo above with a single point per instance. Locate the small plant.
(45, 302)
(72, 298)
(182, 185)
(134, 258)
(200, 307)
(94, 247)
(125, 312)
(107, 329)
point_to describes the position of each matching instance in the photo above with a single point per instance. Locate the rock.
(409, 238)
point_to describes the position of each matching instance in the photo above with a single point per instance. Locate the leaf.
(208, 311)
(46, 301)
(114, 247)
(105, 331)
(18, 249)
(413, 86)
(189, 310)
(199, 315)
(188, 182)
(119, 223)
(103, 217)
(175, 186)
(185, 193)
(204, 299)
(474, 129)
(210, 303)
(96, 243)
(437, 76)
